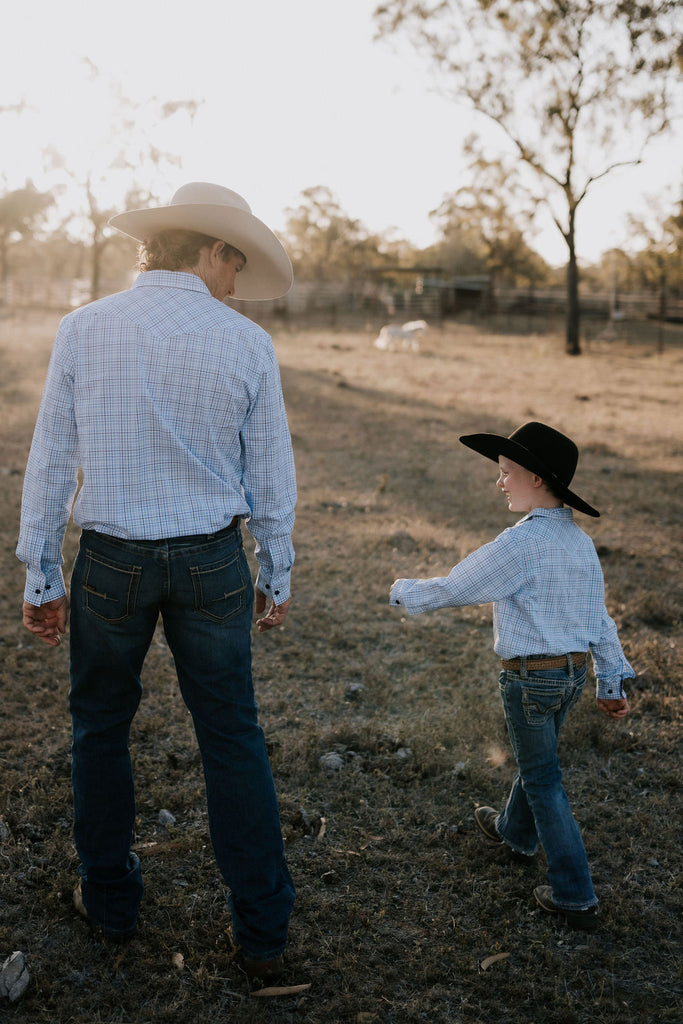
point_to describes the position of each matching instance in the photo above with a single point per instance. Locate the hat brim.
(491, 446)
(268, 271)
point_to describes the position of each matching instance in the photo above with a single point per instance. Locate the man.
(171, 405)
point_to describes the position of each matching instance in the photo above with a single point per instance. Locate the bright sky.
(296, 94)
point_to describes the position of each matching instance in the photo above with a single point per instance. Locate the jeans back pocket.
(546, 698)
(109, 588)
(541, 702)
(220, 588)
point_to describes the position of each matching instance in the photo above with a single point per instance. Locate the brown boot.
(579, 920)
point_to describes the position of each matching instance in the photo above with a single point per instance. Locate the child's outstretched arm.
(490, 573)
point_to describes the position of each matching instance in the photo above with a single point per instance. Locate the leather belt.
(231, 526)
(536, 664)
(194, 538)
(199, 538)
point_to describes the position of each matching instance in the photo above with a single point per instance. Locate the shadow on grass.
(399, 899)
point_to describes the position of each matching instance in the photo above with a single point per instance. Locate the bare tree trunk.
(4, 261)
(663, 291)
(95, 266)
(98, 218)
(573, 348)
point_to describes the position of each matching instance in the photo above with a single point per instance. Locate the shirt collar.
(170, 279)
(564, 512)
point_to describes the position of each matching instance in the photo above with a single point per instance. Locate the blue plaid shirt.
(544, 578)
(171, 405)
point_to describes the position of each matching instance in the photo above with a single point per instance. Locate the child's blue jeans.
(537, 810)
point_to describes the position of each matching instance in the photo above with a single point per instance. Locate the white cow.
(394, 336)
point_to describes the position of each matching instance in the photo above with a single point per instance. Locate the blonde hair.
(177, 249)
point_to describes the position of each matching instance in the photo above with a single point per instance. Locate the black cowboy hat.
(537, 447)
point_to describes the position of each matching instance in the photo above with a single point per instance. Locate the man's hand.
(614, 708)
(277, 613)
(47, 621)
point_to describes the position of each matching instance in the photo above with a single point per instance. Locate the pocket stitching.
(201, 605)
(133, 573)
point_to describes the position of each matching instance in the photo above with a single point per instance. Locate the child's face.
(522, 488)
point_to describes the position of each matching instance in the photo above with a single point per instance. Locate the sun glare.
(277, 113)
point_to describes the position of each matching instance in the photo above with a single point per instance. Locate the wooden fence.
(331, 302)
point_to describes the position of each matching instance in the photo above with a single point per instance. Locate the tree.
(491, 218)
(659, 263)
(578, 87)
(20, 212)
(120, 166)
(326, 244)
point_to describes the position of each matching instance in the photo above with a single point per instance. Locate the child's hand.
(614, 708)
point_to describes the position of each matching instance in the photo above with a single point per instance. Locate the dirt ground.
(401, 905)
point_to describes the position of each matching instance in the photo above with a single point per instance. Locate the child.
(545, 581)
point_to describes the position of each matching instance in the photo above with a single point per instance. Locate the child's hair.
(552, 489)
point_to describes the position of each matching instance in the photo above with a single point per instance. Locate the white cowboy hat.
(220, 213)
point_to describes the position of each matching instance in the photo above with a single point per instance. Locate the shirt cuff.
(278, 589)
(610, 689)
(41, 588)
(399, 598)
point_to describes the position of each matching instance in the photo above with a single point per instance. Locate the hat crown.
(203, 193)
(218, 212)
(550, 448)
(540, 449)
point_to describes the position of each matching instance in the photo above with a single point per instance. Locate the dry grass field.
(401, 905)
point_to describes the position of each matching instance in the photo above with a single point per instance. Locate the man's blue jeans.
(202, 588)
(537, 810)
